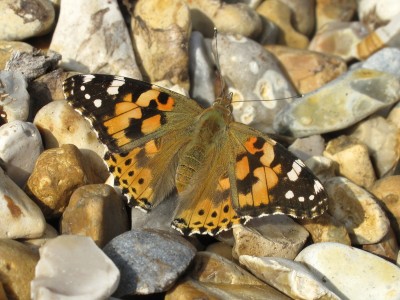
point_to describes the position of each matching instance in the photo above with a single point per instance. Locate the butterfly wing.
(142, 127)
(267, 179)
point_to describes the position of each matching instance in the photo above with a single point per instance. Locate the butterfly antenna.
(222, 85)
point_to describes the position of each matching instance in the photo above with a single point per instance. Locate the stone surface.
(357, 210)
(161, 33)
(8, 47)
(339, 104)
(329, 39)
(322, 167)
(325, 228)
(75, 261)
(376, 13)
(24, 19)
(383, 141)
(57, 173)
(303, 15)
(394, 115)
(14, 98)
(60, 124)
(150, 261)
(19, 215)
(261, 77)
(280, 14)
(221, 249)
(96, 211)
(366, 276)
(352, 157)
(17, 269)
(308, 70)
(385, 60)
(387, 190)
(102, 31)
(289, 277)
(334, 10)
(49, 233)
(17, 138)
(236, 18)
(277, 236)
(305, 148)
(189, 289)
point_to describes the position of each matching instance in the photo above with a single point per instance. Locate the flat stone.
(94, 26)
(357, 210)
(77, 261)
(279, 13)
(289, 277)
(339, 104)
(209, 14)
(387, 190)
(163, 41)
(60, 124)
(381, 137)
(14, 97)
(17, 138)
(275, 235)
(24, 19)
(385, 60)
(308, 70)
(96, 211)
(352, 157)
(150, 261)
(366, 276)
(20, 217)
(260, 77)
(17, 268)
(58, 172)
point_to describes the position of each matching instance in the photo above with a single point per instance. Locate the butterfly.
(224, 172)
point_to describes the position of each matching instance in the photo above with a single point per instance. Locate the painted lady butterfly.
(225, 172)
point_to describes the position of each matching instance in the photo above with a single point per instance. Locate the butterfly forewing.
(268, 179)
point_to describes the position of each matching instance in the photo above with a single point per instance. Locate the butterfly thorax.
(208, 137)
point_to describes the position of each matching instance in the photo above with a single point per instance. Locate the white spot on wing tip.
(289, 195)
(87, 96)
(97, 103)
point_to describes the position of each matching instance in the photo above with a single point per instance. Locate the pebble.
(102, 31)
(352, 273)
(24, 19)
(308, 70)
(17, 138)
(303, 12)
(87, 273)
(276, 235)
(352, 157)
(322, 167)
(326, 228)
(328, 11)
(17, 268)
(357, 210)
(280, 14)
(261, 77)
(165, 41)
(385, 60)
(235, 18)
(387, 190)
(339, 104)
(291, 278)
(57, 173)
(329, 39)
(35, 243)
(376, 13)
(394, 115)
(150, 261)
(221, 249)
(14, 97)
(20, 217)
(387, 248)
(305, 148)
(60, 124)
(382, 138)
(96, 211)
(8, 47)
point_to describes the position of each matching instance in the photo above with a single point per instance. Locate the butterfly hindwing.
(268, 179)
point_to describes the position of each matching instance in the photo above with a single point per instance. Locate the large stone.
(20, 217)
(8, 47)
(339, 104)
(96, 211)
(352, 273)
(93, 26)
(73, 267)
